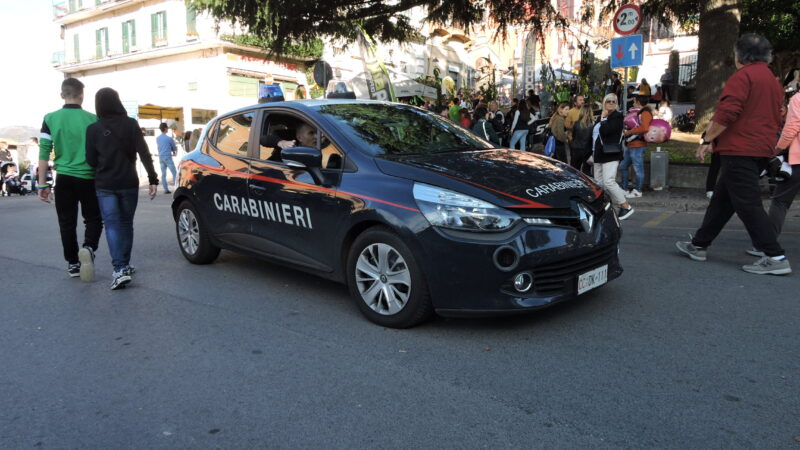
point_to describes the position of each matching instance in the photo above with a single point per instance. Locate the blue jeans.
(520, 136)
(117, 207)
(633, 156)
(166, 163)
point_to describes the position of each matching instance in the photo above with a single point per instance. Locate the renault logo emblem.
(585, 217)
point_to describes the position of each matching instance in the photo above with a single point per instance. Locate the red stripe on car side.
(304, 186)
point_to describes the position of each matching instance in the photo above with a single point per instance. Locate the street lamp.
(571, 52)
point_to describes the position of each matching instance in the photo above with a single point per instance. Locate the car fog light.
(523, 282)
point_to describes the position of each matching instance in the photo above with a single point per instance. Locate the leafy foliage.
(282, 23)
(312, 49)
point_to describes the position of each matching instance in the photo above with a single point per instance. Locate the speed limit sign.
(627, 19)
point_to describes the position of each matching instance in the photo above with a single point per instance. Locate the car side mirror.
(305, 158)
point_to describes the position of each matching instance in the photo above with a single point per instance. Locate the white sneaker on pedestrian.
(709, 194)
(633, 194)
(86, 257)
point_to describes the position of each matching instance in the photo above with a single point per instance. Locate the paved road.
(246, 354)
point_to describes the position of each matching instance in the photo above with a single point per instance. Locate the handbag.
(612, 148)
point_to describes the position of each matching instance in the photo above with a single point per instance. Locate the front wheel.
(193, 238)
(385, 280)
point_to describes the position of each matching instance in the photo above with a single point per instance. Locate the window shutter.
(164, 24)
(154, 27)
(106, 48)
(77, 47)
(132, 30)
(126, 44)
(191, 20)
(99, 51)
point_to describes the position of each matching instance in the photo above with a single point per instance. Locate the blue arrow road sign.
(627, 51)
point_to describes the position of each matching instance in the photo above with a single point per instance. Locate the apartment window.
(75, 5)
(101, 39)
(158, 28)
(76, 47)
(191, 22)
(128, 36)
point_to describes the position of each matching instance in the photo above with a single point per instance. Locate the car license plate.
(592, 279)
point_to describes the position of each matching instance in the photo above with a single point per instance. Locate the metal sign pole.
(625, 92)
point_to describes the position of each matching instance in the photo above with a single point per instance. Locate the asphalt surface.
(247, 354)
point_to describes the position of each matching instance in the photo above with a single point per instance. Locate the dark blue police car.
(414, 213)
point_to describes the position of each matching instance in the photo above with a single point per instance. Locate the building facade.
(166, 61)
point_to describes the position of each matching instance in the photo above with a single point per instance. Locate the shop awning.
(149, 111)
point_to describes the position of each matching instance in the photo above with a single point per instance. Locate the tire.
(192, 235)
(376, 253)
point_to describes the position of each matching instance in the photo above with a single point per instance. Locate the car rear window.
(400, 129)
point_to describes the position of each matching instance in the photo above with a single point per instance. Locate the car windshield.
(386, 129)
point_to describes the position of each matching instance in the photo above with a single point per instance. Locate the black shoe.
(74, 270)
(624, 213)
(166, 191)
(120, 280)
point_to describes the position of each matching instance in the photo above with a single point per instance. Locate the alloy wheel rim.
(188, 232)
(383, 279)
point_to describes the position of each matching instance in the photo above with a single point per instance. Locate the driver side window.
(284, 130)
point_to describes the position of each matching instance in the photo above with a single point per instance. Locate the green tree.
(283, 23)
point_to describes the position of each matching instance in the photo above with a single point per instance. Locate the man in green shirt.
(64, 133)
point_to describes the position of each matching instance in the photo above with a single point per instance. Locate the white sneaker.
(86, 257)
(709, 194)
(752, 251)
(633, 194)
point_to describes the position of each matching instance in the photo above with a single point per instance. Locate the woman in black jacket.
(111, 147)
(607, 153)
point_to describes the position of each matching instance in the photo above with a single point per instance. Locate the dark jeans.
(785, 192)
(118, 207)
(633, 156)
(578, 157)
(69, 193)
(713, 172)
(737, 191)
(561, 152)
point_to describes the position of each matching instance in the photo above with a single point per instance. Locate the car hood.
(507, 178)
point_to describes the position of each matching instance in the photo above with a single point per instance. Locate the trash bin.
(659, 169)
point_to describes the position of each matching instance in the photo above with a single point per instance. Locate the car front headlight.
(448, 209)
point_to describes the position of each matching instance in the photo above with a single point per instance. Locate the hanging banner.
(378, 82)
(529, 63)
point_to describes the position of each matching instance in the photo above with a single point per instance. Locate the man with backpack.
(637, 146)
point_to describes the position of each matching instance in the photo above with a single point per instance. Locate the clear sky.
(29, 85)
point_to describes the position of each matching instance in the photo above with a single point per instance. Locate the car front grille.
(553, 278)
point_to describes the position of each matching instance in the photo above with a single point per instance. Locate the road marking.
(652, 223)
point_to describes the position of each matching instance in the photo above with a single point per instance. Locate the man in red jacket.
(743, 132)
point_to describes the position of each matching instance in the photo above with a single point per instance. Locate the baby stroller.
(11, 182)
(685, 122)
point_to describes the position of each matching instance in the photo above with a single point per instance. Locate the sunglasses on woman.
(611, 101)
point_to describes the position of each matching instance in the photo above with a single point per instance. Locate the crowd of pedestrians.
(95, 158)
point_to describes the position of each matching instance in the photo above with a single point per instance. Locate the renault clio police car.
(413, 213)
